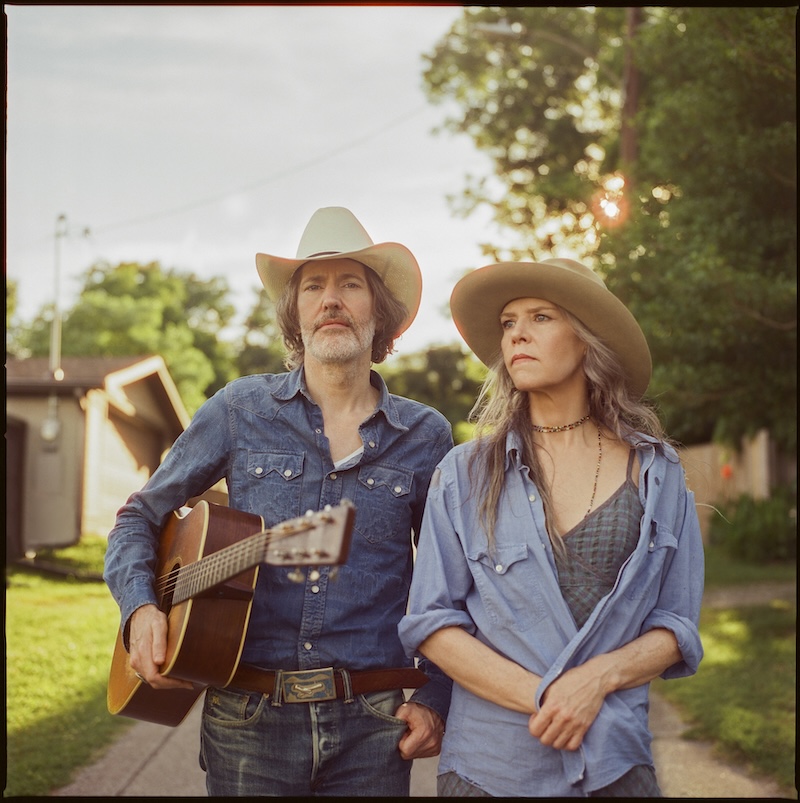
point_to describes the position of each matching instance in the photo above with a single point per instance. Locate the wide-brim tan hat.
(479, 297)
(335, 233)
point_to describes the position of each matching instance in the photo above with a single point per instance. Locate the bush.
(758, 530)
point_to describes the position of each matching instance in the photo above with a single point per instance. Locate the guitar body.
(205, 633)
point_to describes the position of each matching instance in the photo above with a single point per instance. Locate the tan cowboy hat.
(334, 232)
(480, 296)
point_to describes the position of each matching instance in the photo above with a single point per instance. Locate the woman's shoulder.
(458, 457)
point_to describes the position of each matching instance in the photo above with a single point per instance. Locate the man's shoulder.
(411, 410)
(258, 388)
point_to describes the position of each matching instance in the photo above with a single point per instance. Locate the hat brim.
(479, 297)
(394, 263)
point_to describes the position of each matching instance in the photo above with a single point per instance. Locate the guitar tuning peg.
(296, 576)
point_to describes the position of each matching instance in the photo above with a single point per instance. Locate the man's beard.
(340, 345)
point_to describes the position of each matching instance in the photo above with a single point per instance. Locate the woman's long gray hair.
(501, 409)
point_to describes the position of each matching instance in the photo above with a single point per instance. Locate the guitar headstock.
(319, 538)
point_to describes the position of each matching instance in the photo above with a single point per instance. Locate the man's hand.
(423, 738)
(148, 647)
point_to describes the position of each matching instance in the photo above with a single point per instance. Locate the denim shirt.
(509, 598)
(264, 435)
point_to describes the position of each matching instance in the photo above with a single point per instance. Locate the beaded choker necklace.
(575, 424)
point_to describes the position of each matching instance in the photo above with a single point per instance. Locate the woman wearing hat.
(560, 564)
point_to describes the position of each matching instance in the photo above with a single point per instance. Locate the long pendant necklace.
(597, 470)
(564, 428)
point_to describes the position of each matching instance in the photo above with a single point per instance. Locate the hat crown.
(332, 230)
(571, 266)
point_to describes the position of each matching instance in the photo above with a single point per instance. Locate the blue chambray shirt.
(264, 435)
(510, 599)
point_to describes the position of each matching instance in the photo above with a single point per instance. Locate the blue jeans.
(250, 747)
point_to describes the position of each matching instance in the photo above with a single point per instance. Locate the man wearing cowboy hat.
(326, 431)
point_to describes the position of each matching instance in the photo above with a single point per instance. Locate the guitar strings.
(185, 575)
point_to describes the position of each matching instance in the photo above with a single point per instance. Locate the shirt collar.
(514, 447)
(294, 383)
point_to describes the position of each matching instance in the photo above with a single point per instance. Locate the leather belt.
(316, 685)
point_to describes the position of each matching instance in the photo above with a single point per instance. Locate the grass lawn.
(60, 634)
(743, 696)
(722, 570)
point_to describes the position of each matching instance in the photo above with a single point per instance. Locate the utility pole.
(51, 426)
(55, 329)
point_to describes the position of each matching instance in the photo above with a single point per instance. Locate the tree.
(708, 263)
(261, 349)
(703, 242)
(13, 348)
(539, 89)
(131, 309)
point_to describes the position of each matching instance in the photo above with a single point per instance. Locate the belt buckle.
(308, 686)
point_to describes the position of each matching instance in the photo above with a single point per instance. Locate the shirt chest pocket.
(275, 483)
(383, 502)
(508, 585)
(657, 553)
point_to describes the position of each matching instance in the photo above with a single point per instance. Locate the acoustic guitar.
(206, 574)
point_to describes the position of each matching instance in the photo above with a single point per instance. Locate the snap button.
(370, 481)
(499, 567)
(372, 444)
(318, 431)
(315, 589)
(308, 645)
(334, 475)
(259, 470)
(397, 489)
(287, 473)
(532, 498)
(313, 575)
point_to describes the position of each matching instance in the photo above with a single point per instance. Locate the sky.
(197, 136)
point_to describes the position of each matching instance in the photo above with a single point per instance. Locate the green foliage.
(84, 558)
(13, 347)
(446, 378)
(542, 99)
(743, 695)
(261, 350)
(726, 570)
(59, 640)
(758, 530)
(708, 259)
(705, 251)
(131, 310)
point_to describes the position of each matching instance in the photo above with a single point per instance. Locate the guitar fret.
(220, 566)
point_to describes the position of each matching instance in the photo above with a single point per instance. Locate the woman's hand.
(570, 706)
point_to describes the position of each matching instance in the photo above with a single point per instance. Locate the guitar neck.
(220, 566)
(316, 539)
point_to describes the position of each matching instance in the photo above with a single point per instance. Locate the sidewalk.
(155, 761)
(152, 760)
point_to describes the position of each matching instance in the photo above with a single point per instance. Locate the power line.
(262, 182)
